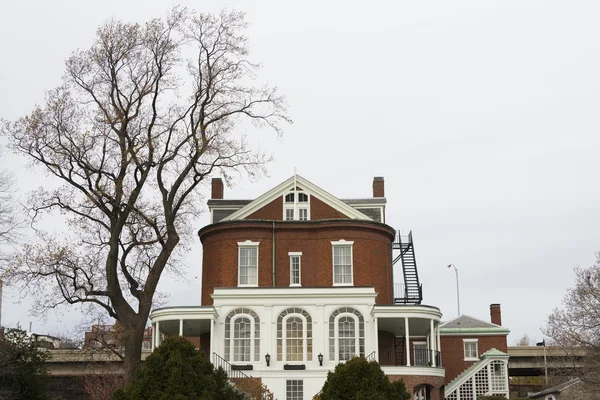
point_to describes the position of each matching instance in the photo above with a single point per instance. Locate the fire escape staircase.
(252, 387)
(412, 291)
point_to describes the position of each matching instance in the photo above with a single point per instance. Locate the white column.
(211, 350)
(439, 347)
(157, 333)
(432, 342)
(376, 337)
(153, 336)
(407, 342)
(180, 327)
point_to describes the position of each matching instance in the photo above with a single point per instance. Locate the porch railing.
(253, 387)
(418, 357)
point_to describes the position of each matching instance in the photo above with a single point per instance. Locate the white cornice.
(294, 293)
(403, 311)
(308, 187)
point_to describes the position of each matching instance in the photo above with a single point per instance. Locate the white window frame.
(337, 336)
(304, 339)
(296, 206)
(298, 254)
(299, 384)
(470, 342)
(342, 243)
(245, 245)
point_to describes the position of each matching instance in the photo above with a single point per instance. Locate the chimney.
(217, 188)
(378, 190)
(496, 314)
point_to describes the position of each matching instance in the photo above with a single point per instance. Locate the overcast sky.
(481, 115)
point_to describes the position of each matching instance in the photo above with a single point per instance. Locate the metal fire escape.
(412, 291)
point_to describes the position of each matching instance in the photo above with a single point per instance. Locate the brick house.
(475, 356)
(298, 280)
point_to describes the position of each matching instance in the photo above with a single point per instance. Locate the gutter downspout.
(273, 255)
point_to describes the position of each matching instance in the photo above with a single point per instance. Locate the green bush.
(177, 371)
(23, 372)
(359, 379)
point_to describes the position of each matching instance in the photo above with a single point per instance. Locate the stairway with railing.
(253, 387)
(412, 291)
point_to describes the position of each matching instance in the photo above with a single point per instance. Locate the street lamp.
(268, 359)
(457, 291)
(543, 343)
(320, 357)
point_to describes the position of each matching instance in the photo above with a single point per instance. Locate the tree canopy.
(176, 371)
(359, 379)
(143, 117)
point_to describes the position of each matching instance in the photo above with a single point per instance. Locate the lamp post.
(457, 291)
(268, 359)
(543, 343)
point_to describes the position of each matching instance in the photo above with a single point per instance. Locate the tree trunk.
(134, 336)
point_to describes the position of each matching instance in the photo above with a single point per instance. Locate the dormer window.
(296, 208)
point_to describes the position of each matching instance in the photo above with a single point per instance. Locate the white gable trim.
(307, 186)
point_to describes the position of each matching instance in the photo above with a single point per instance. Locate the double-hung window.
(295, 268)
(342, 263)
(247, 263)
(470, 347)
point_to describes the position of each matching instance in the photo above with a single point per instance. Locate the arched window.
(294, 336)
(346, 334)
(242, 336)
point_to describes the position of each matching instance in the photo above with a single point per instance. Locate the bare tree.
(523, 341)
(131, 149)
(575, 326)
(10, 220)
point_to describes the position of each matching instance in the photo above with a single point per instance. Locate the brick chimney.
(496, 314)
(217, 188)
(378, 187)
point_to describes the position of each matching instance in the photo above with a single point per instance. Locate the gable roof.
(306, 186)
(469, 325)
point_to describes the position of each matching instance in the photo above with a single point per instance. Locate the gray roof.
(556, 389)
(466, 322)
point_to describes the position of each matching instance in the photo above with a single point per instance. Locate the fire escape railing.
(412, 290)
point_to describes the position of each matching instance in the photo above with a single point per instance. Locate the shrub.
(23, 372)
(177, 371)
(359, 379)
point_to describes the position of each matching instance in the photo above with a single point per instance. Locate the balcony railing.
(418, 358)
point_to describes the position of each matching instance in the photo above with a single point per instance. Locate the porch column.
(157, 333)
(376, 337)
(153, 336)
(439, 348)
(407, 342)
(180, 327)
(432, 342)
(212, 349)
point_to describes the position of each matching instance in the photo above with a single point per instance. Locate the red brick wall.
(453, 351)
(272, 211)
(320, 210)
(372, 263)
(435, 384)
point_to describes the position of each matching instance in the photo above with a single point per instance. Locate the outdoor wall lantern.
(268, 359)
(320, 357)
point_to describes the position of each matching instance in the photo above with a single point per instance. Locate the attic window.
(296, 211)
